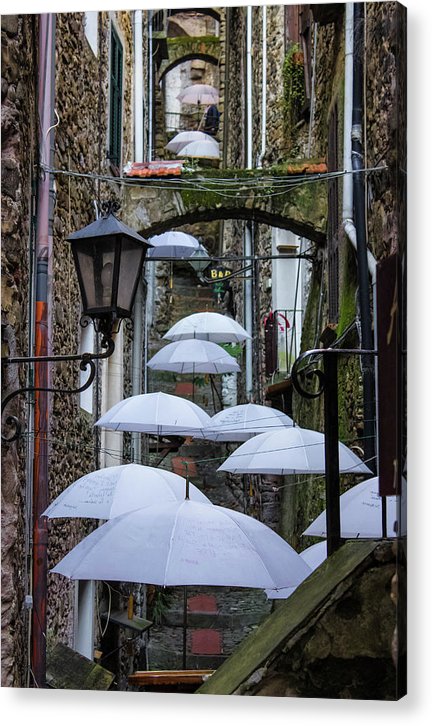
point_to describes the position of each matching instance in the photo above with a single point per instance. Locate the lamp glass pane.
(96, 265)
(131, 261)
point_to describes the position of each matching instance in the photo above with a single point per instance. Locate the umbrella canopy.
(160, 414)
(361, 513)
(313, 556)
(193, 356)
(215, 327)
(174, 244)
(239, 423)
(186, 543)
(202, 149)
(112, 491)
(289, 451)
(186, 137)
(199, 93)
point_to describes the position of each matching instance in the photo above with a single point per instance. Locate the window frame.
(115, 126)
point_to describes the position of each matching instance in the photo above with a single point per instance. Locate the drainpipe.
(42, 347)
(247, 242)
(354, 204)
(137, 346)
(138, 84)
(263, 87)
(249, 87)
(150, 87)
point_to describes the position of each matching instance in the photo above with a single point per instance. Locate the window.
(298, 31)
(116, 91)
(283, 323)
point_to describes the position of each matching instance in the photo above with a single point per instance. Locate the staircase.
(218, 619)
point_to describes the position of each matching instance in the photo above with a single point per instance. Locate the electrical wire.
(262, 185)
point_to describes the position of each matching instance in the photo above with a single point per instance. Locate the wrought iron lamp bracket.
(326, 382)
(303, 376)
(86, 361)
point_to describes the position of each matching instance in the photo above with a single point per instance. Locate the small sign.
(218, 273)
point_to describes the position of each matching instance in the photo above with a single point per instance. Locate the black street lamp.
(108, 258)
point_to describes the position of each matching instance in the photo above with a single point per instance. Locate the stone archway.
(185, 48)
(153, 207)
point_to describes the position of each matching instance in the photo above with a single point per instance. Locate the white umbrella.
(174, 244)
(159, 414)
(199, 93)
(193, 356)
(313, 556)
(186, 137)
(112, 491)
(361, 513)
(186, 543)
(289, 451)
(200, 150)
(239, 423)
(208, 326)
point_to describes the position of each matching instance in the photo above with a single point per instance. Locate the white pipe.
(347, 203)
(137, 346)
(263, 87)
(247, 243)
(248, 314)
(112, 393)
(249, 88)
(138, 84)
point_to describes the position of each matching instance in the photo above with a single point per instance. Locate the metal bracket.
(86, 360)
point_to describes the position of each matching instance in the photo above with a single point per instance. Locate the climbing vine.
(293, 89)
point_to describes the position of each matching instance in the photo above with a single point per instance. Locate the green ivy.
(293, 88)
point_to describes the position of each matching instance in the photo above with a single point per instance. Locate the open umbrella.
(112, 491)
(186, 543)
(313, 556)
(202, 149)
(289, 451)
(193, 356)
(174, 244)
(186, 137)
(215, 327)
(361, 513)
(199, 93)
(160, 414)
(239, 423)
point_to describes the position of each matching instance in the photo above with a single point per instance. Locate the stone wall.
(348, 651)
(386, 126)
(80, 147)
(18, 158)
(337, 636)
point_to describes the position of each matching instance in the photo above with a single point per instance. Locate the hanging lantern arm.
(86, 361)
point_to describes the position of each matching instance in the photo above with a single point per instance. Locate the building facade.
(311, 201)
